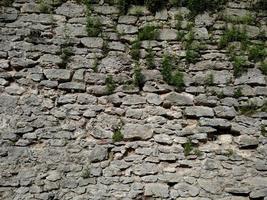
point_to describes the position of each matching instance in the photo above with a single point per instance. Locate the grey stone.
(50, 60)
(72, 86)
(133, 100)
(153, 99)
(199, 111)
(216, 123)
(127, 29)
(163, 139)
(106, 10)
(178, 99)
(261, 165)
(186, 190)
(98, 153)
(252, 77)
(145, 169)
(204, 20)
(92, 42)
(70, 9)
(9, 15)
(137, 131)
(225, 112)
(157, 190)
(258, 193)
(58, 74)
(167, 34)
(126, 19)
(15, 89)
(201, 33)
(212, 186)
(246, 141)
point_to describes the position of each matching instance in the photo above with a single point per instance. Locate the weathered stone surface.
(98, 153)
(216, 122)
(57, 74)
(199, 111)
(72, 86)
(167, 34)
(157, 190)
(246, 141)
(177, 99)
(70, 9)
(92, 42)
(137, 131)
(186, 190)
(127, 29)
(225, 112)
(211, 186)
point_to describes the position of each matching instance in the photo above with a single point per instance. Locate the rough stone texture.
(92, 128)
(136, 131)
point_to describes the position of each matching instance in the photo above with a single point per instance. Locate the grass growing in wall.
(238, 92)
(169, 76)
(117, 136)
(197, 6)
(209, 80)
(239, 65)
(246, 19)
(138, 77)
(93, 26)
(148, 32)
(263, 68)
(233, 34)
(135, 50)
(150, 59)
(257, 52)
(110, 84)
(44, 6)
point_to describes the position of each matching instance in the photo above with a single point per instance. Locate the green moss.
(231, 35)
(188, 148)
(66, 53)
(155, 5)
(86, 172)
(150, 59)
(263, 68)
(110, 84)
(117, 136)
(238, 92)
(257, 52)
(264, 130)
(123, 6)
(197, 6)
(239, 64)
(191, 55)
(209, 80)
(44, 6)
(167, 68)
(93, 26)
(178, 80)
(138, 76)
(135, 50)
(148, 32)
(249, 109)
(246, 19)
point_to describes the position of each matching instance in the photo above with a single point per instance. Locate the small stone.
(15, 89)
(258, 193)
(199, 111)
(201, 33)
(215, 122)
(246, 141)
(225, 112)
(127, 29)
(168, 34)
(92, 42)
(137, 131)
(178, 99)
(72, 86)
(99, 153)
(157, 190)
(57, 74)
(186, 190)
(70, 9)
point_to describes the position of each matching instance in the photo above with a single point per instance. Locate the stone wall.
(66, 100)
